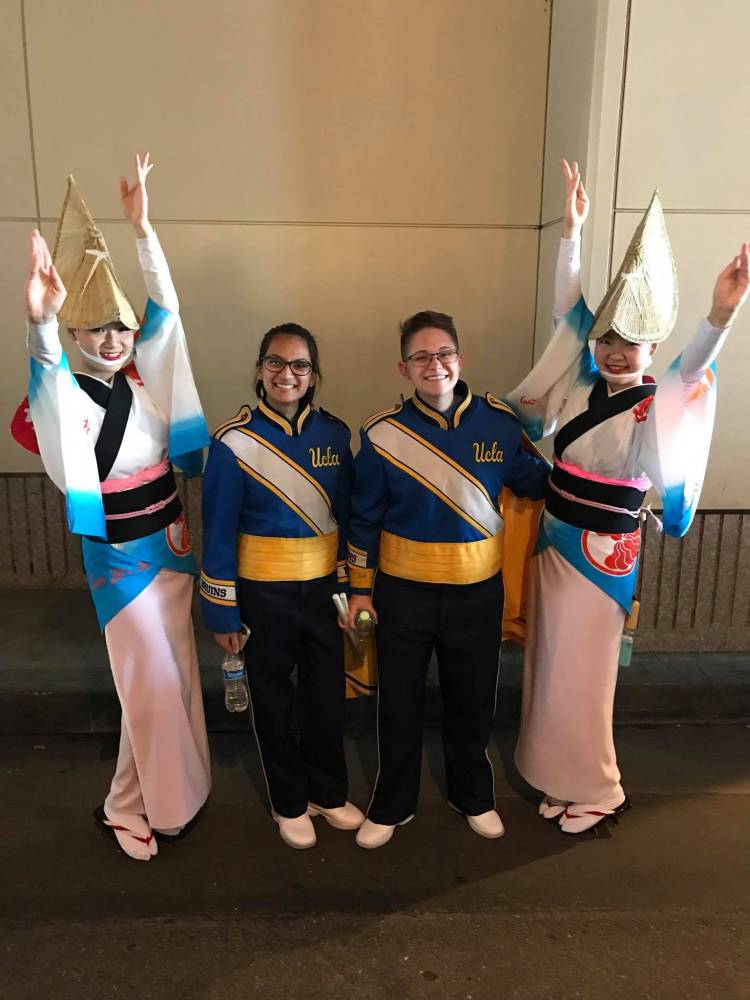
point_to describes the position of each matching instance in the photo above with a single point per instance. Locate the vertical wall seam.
(45, 522)
(13, 561)
(717, 568)
(27, 525)
(698, 572)
(734, 616)
(32, 143)
(61, 513)
(541, 189)
(618, 148)
(660, 578)
(680, 555)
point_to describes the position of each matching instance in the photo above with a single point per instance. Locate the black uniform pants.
(462, 624)
(294, 623)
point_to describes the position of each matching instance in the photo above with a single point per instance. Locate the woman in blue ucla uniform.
(276, 500)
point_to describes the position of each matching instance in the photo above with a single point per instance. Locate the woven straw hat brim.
(641, 302)
(94, 297)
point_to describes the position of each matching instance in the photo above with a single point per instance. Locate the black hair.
(291, 330)
(427, 319)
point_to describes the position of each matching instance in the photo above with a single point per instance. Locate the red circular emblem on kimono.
(178, 537)
(614, 555)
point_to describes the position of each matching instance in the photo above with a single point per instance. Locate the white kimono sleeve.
(56, 404)
(567, 360)
(677, 434)
(163, 362)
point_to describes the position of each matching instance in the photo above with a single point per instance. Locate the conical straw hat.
(641, 302)
(95, 296)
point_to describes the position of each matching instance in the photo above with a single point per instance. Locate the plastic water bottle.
(364, 625)
(236, 698)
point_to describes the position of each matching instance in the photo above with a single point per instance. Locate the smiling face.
(112, 343)
(434, 379)
(285, 388)
(621, 361)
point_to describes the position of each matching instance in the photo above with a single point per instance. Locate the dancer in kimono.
(616, 434)
(109, 434)
(276, 497)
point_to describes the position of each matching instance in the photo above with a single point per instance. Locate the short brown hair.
(426, 320)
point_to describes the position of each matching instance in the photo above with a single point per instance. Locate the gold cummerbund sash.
(440, 562)
(263, 557)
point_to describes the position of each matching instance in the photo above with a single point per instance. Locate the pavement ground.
(656, 907)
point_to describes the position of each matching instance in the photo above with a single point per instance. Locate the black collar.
(601, 407)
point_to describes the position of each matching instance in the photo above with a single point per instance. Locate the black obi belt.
(567, 497)
(142, 510)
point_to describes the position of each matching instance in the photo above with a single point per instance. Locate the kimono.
(610, 447)
(109, 447)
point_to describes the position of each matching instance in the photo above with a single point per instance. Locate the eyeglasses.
(446, 356)
(273, 363)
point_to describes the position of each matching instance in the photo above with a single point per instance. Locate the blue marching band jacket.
(426, 503)
(276, 497)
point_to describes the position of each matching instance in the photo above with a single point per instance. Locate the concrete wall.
(339, 164)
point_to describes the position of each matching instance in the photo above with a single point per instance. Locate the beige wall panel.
(571, 67)
(703, 245)
(351, 287)
(306, 110)
(16, 174)
(549, 241)
(14, 371)
(686, 124)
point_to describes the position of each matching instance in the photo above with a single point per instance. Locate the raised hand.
(134, 200)
(731, 289)
(576, 200)
(45, 292)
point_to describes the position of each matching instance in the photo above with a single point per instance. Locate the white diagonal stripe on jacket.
(426, 462)
(292, 484)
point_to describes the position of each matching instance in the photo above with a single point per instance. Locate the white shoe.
(346, 817)
(551, 808)
(297, 832)
(371, 835)
(487, 824)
